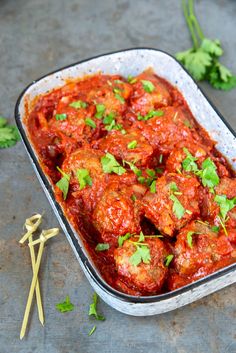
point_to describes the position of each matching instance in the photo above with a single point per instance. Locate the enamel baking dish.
(133, 62)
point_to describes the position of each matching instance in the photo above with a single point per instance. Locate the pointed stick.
(34, 279)
(37, 288)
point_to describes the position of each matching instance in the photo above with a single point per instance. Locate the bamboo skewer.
(31, 226)
(45, 235)
(37, 288)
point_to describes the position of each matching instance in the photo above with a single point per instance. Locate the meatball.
(146, 278)
(116, 213)
(227, 186)
(130, 147)
(89, 160)
(174, 203)
(164, 132)
(143, 100)
(198, 252)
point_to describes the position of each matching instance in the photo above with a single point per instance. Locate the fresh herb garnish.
(90, 122)
(83, 178)
(202, 60)
(123, 238)
(65, 306)
(150, 115)
(178, 209)
(188, 163)
(225, 205)
(188, 124)
(153, 187)
(63, 183)
(61, 116)
(78, 104)
(133, 167)
(131, 145)
(9, 134)
(168, 259)
(93, 309)
(173, 187)
(209, 174)
(100, 110)
(215, 229)
(120, 98)
(151, 173)
(142, 254)
(133, 197)
(102, 247)
(131, 79)
(110, 165)
(148, 86)
(109, 118)
(190, 239)
(92, 330)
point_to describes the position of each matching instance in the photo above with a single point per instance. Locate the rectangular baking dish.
(133, 62)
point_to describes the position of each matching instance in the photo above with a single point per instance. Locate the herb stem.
(189, 24)
(194, 20)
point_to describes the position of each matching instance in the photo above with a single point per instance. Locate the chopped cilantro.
(61, 116)
(178, 209)
(90, 122)
(173, 186)
(92, 330)
(215, 229)
(133, 167)
(131, 79)
(153, 187)
(209, 174)
(148, 86)
(190, 239)
(109, 118)
(102, 247)
(151, 173)
(168, 259)
(120, 98)
(83, 178)
(133, 197)
(142, 254)
(151, 114)
(93, 309)
(188, 163)
(225, 205)
(123, 238)
(65, 306)
(131, 145)
(78, 104)
(100, 110)
(63, 183)
(110, 165)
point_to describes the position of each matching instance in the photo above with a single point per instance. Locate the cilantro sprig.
(63, 183)
(150, 115)
(83, 178)
(142, 253)
(65, 306)
(110, 165)
(9, 134)
(225, 205)
(93, 309)
(202, 60)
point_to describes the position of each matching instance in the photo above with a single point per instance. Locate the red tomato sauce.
(138, 178)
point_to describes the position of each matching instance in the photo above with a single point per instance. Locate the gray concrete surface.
(37, 36)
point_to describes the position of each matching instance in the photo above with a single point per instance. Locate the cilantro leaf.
(65, 306)
(168, 259)
(177, 208)
(109, 118)
(133, 167)
(131, 145)
(188, 163)
(141, 237)
(83, 178)
(221, 78)
(93, 309)
(131, 79)
(215, 229)
(110, 165)
(90, 122)
(151, 114)
(153, 187)
(190, 239)
(142, 254)
(78, 104)
(100, 110)
(196, 62)
(63, 183)
(102, 247)
(209, 174)
(148, 86)
(9, 134)
(123, 238)
(120, 98)
(212, 47)
(173, 186)
(225, 204)
(61, 116)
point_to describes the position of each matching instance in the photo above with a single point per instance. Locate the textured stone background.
(37, 36)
